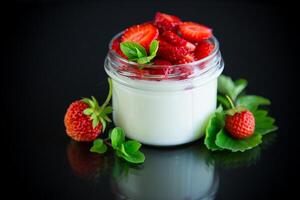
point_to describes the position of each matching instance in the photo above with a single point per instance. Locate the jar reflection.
(180, 173)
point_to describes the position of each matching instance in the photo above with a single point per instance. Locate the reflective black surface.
(56, 56)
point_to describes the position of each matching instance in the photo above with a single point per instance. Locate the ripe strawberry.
(175, 40)
(85, 119)
(78, 125)
(116, 47)
(194, 32)
(165, 22)
(170, 52)
(241, 124)
(142, 34)
(203, 49)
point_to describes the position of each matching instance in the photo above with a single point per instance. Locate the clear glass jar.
(164, 105)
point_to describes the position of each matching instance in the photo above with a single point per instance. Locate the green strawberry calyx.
(99, 113)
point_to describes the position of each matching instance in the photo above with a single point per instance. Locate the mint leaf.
(145, 60)
(132, 146)
(223, 101)
(263, 123)
(215, 124)
(226, 86)
(225, 141)
(117, 137)
(136, 157)
(133, 50)
(252, 101)
(98, 146)
(153, 47)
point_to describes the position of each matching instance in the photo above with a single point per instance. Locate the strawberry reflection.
(83, 163)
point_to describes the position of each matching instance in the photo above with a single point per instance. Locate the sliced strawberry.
(170, 52)
(116, 47)
(175, 40)
(194, 32)
(162, 62)
(203, 49)
(142, 34)
(165, 22)
(186, 59)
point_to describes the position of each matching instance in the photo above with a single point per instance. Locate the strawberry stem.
(230, 101)
(108, 96)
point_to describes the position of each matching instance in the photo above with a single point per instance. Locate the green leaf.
(227, 142)
(98, 146)
(145, 60)
(215, 124)
(240, 85)
(223, 101)
(133, 50)
(89, 102)
(132, 146)
(226, 86)
(154, 47)
(117, 137)
(252, 101)
(136, 157)
(263, 123)
(88, 111)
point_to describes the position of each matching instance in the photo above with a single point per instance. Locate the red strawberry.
(175, 40)
(143, 34)
(203, 49)
(241, 124)
(166, 22)
(194, 32)
(162, 62)
(83, 163)
(78, 125)
(186, 59)
(116, 47)
(170, 52)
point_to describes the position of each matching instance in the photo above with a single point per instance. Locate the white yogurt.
(163, 117)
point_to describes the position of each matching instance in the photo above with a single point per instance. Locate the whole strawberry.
(241, 124)
(85, 119)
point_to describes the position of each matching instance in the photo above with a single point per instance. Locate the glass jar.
(164, 105)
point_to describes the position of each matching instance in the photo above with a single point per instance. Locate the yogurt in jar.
(167, 111)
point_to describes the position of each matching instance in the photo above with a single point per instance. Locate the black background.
(56, 54)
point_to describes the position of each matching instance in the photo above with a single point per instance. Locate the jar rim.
(197, 62)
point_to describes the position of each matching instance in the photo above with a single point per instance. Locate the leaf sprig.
(128, 150)
(99, 113)
(137, 53)
(216, 137)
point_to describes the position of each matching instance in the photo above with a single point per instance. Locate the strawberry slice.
(170, 52)
(185, 59)
(194, 32)
(116, 47)
(166, 22)
(162, 62)
(175, 40)
(203, 49)
(142, 34)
